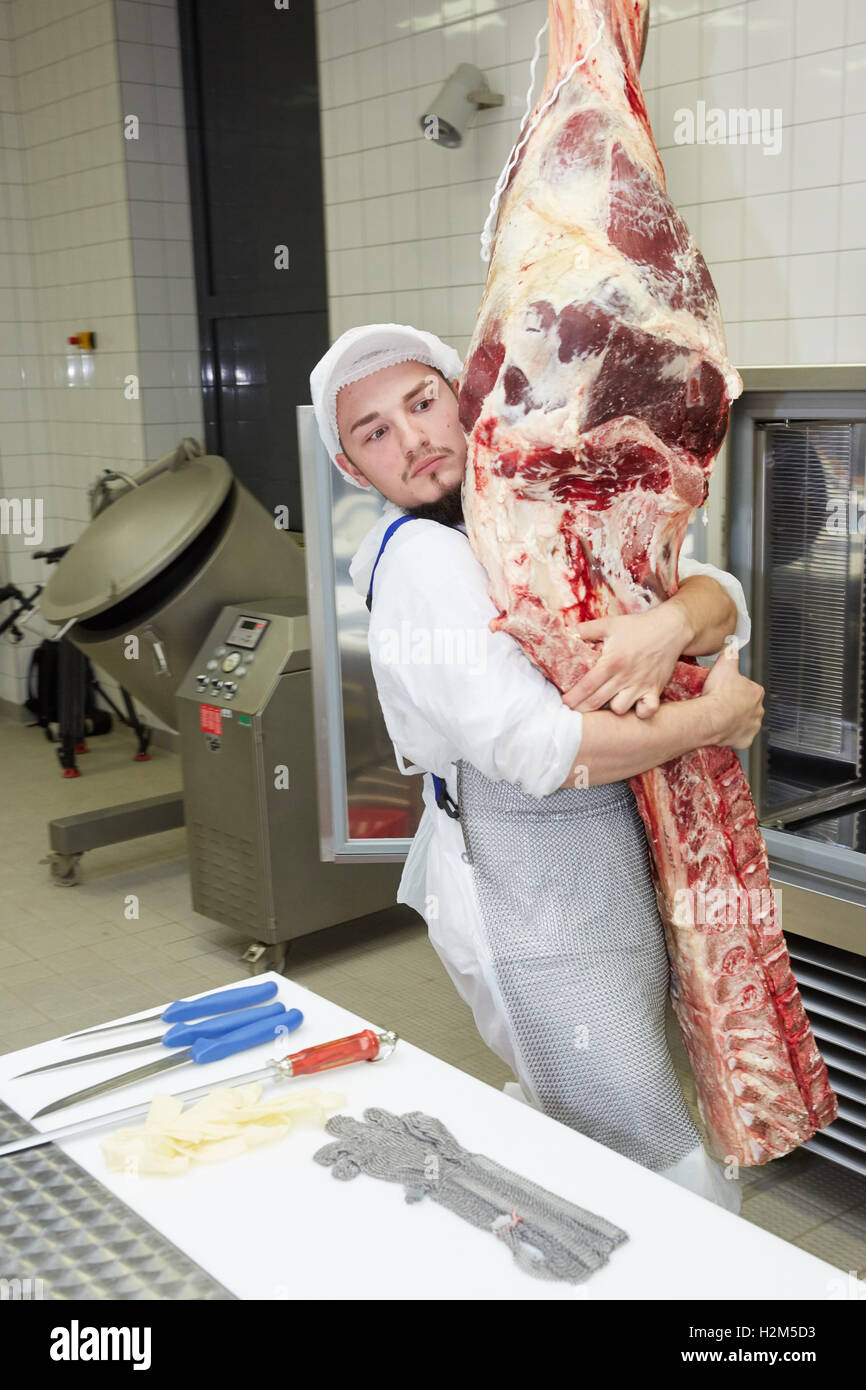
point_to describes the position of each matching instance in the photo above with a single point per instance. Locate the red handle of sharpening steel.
(358, 1047)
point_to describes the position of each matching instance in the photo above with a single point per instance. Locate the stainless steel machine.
(148, 592)
(796, 476)
(796, 455)
(245, 717)
(139, 587)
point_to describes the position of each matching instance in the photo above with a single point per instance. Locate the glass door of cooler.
(367, 808)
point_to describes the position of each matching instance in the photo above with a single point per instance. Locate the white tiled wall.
(785, 235)
(148, 55)
(94, 228)
(403, 216)
(94, 234)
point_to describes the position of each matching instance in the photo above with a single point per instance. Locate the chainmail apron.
(577, 946)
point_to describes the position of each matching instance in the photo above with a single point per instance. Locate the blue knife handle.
(212, 1049)
(185, 1034)
(222, 1002)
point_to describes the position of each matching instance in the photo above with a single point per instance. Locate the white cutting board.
(272, 1224)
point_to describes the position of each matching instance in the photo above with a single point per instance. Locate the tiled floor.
(70, 958)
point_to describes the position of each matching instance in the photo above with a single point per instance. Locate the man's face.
(401, 429)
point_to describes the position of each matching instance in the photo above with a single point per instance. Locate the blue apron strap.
(444, 801)
(385, 539)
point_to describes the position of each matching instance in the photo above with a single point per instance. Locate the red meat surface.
(596, 394)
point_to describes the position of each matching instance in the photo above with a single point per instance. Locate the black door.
(252, 113)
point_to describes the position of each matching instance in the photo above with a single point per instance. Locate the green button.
(245, 720)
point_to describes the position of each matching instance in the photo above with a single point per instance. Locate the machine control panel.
(226, 674)
(247, 632)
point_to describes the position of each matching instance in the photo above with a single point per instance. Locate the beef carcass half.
(596, 394)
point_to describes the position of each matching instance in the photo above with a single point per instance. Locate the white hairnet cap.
(358, 353)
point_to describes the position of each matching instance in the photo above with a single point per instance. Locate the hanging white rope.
(487, 232)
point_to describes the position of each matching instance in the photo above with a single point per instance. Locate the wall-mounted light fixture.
(465, 92)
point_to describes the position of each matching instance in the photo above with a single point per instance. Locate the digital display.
(247, 632)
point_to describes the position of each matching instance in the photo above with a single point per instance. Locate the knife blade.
(108, 1119)
(178, 1035)
(222, 1001)
(201, 1052)
(370, 1046)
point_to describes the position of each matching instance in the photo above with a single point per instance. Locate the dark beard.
(447, 510)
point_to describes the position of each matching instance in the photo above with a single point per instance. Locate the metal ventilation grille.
(813, 473)
(833, 986)
(226, 877)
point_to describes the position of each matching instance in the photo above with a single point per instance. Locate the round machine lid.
(134, 538)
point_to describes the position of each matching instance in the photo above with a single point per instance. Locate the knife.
(221, 1002)
(179, 1035)
(368, 1046)
(205, 1050)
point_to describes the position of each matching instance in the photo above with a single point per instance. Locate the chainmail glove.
(549, 1237)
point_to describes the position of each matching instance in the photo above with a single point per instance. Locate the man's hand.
(737, 704)
(639, 653)
(728, 711)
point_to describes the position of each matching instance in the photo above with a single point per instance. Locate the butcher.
(458, 694)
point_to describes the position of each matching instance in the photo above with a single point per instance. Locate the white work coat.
(450, 689)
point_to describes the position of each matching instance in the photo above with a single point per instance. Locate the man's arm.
(689, 568)
(706, 614)
(641, 649)
(449, 687)
(617, 746)
(480, 698)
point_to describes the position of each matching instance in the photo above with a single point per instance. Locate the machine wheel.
(261, 957)
(65, 868)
